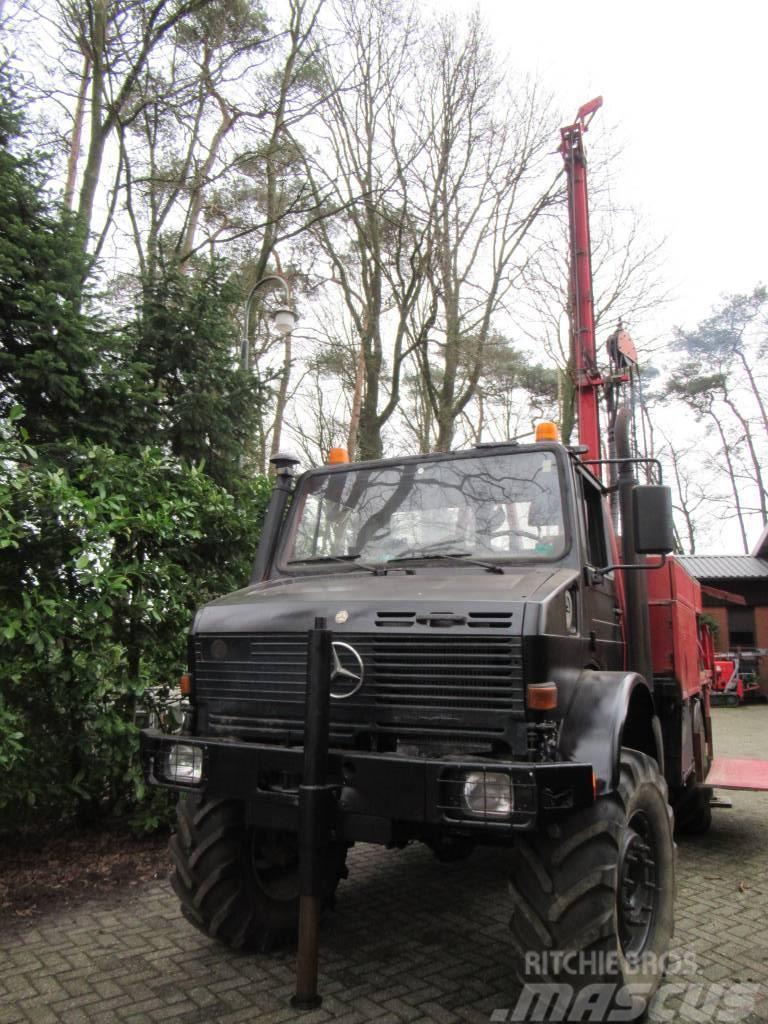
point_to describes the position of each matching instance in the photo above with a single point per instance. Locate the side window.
(594, 523)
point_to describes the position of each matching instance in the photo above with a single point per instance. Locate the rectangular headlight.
(184, 764)
(488, 794)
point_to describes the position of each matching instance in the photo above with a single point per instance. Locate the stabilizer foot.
(310, 1003)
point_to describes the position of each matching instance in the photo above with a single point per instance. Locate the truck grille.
(450, 672)
(449, 684)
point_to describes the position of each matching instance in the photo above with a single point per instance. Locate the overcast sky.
(684, 89)
(685, 85)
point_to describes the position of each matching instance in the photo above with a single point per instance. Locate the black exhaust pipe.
(638, 625)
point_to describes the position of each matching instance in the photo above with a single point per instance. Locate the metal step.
(738, 773)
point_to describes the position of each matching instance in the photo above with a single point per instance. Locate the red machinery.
(728, 687)
(666, 603)
(587, 377)
(732, 685)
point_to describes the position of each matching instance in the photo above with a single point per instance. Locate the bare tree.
(699, 394)
(120, 37)
(376, 251)
(514, 391)
(690, 496)
(720, 378)
(629, 286)
(210, 160)
(484, 181)
(322, 422)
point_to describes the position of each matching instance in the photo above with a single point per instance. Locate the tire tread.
(563, 884)
(216, 883)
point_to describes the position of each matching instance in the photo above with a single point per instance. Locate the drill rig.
(449, 649)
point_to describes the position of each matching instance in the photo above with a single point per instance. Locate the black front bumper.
(375, 796)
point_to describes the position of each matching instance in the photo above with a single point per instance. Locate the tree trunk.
(369, 441)
(98, 136)
(734, 482)
(690, 527)
(196, 204)
(77, 135)
(369, 431)
(357, 399)
(755, 390)
(754, 458)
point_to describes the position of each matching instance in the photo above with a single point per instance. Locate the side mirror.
(654, 526)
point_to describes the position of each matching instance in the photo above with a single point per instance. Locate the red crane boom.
(586, 374)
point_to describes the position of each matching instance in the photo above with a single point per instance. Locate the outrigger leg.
(315, 805)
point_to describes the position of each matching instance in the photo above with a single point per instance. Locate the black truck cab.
(467, 603)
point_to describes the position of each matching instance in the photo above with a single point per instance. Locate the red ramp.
(738, 773)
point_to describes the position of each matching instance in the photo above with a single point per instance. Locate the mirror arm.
(597, 574)
(635, 461)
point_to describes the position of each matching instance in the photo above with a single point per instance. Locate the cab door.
(602, 613)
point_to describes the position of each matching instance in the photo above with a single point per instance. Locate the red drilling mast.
(586, 374)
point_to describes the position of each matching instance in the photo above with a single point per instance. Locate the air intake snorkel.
(273, 518)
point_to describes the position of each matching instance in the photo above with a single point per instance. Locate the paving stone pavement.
(410, 940)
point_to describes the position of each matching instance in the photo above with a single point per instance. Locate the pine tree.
(46, 343)
(185, 340)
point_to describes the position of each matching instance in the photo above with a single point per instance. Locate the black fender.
(603, 712)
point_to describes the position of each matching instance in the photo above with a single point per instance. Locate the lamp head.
(284, 320)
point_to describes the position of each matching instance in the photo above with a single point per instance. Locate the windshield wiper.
(413, 554)
(379, 569)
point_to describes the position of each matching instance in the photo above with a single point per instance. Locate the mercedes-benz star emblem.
(339, 670)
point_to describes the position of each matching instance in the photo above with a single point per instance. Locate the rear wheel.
(693, 814)
(594, 902)
(236, 883)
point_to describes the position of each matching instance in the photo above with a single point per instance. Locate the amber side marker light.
(337, 456)
(541, 697)
(185, 684)
(546, 431)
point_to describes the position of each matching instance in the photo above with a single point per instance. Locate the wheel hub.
(637, 894)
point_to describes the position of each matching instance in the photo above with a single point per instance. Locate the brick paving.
(410, 940)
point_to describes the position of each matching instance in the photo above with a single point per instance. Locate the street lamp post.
(284, 318)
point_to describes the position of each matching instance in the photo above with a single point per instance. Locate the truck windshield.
(503, 506)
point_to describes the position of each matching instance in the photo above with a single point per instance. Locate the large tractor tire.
(593, 900)
(693, 811)
(238, 884)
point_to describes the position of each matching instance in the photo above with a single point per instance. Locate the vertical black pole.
(635, 583)
(314, 807)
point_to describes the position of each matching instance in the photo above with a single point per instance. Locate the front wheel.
(236, 883)
(594, 903)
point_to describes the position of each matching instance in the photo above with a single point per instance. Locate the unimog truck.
(499, 675)
(479, 694)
